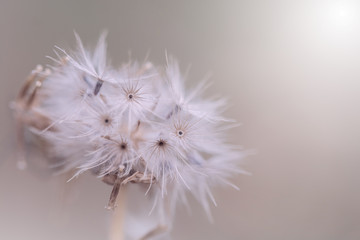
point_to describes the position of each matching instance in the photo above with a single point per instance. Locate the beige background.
(291, 69)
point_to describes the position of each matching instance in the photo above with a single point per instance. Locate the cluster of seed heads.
(135, 123)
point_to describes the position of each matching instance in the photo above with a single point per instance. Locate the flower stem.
(117, 225)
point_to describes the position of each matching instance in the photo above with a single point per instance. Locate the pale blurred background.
(291, 70)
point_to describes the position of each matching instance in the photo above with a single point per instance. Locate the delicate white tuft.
(136, 123)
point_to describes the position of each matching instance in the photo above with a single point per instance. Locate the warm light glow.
(341, 15)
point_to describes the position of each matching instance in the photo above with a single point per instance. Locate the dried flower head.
(132, 124)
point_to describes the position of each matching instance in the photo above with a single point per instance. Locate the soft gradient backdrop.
(291, 70)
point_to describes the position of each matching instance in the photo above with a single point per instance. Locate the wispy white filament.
(137, 118)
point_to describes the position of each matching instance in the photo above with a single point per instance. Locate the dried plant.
(134, 124)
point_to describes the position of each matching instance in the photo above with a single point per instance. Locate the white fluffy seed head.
(135, 119)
